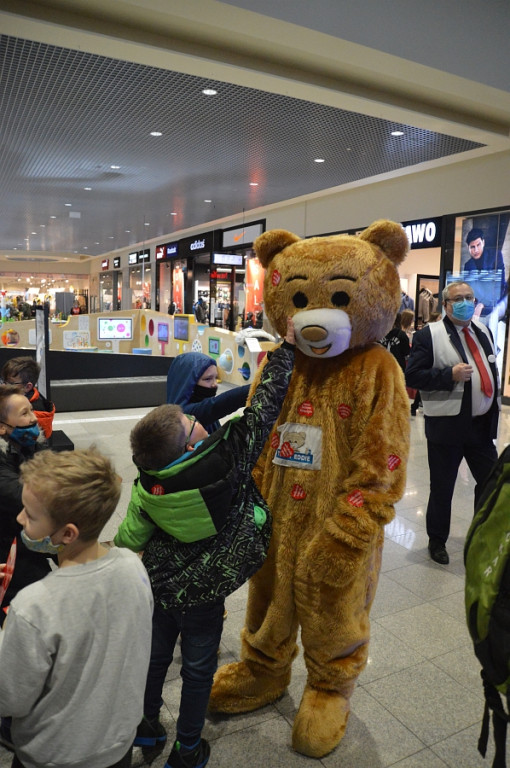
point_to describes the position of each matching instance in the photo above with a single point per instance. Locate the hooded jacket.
(182, 378)
(203, 523)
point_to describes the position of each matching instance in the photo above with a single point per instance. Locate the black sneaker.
(180, 757)
(150, 733)
(5, 734)
(438, 553)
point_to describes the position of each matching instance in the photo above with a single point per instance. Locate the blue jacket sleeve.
(214, 408)
(420, 372)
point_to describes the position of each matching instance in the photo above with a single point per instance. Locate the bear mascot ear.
(270, 243)
(390, 237)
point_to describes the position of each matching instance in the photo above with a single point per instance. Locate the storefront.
(239, 277)
(420, 272)
(169, 270)
(140, 279)
(110, 286)
(191, 274)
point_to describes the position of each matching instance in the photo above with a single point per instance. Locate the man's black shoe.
(438, 552)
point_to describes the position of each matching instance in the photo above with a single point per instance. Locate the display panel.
(163, 332)
(214, 346)
(114, 328)
(181, 328)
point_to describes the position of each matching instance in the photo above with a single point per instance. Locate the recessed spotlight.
(87, 189)
(254, 183)
(53, 217)
(33, 233)
(156, 133)
(111, 237)
(115, 167)
(68, 205)
(397, 133)
(85, 247)
(96, 243)
(207, 201)
(319, 160)
(209, 92)
(42, 225)
(147, 223)
(27, 239)
(127, 231)
(173, 213)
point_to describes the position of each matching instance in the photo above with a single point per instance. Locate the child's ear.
(71, 533)
(3, 429)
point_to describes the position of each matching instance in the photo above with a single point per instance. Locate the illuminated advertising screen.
(181, 327)
(114, 328)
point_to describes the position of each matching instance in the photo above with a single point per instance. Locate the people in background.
(76, 645)
(453, 364)
(192, 383)
(396, 341)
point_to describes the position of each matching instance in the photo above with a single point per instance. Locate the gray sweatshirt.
(74, 654)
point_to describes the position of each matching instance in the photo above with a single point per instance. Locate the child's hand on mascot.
(290, 336)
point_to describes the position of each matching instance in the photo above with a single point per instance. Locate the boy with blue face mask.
(21, 441)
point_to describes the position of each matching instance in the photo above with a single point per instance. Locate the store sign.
(116, 262)
(105, 264)
(143, 255)
(234, 238)
(232, 259)
(132, 258)
(215, 275)
(423, 233)
(192, 246)
(167, 251)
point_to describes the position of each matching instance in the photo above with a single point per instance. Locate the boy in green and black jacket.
(204, 529)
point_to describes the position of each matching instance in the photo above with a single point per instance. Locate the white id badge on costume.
(300, 446)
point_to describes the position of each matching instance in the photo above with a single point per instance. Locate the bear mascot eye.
(299, 299)
(340, 299)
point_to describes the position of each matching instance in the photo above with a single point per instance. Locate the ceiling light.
(115, 167)
(68, 205)
(87, 189)
(254, 183)
(207, 201)
(42, 225)
(111, 237)
(319, 160)
(397, 133)
(156, 133)
(173, 213)
(53, 217)
(27, 239)
(96, 243)
(146, 223)
(127, 231)
(209, 92)
(33, 233)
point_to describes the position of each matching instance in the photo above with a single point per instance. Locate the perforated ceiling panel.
(67, 117)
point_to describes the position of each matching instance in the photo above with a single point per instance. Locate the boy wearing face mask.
(453, 364)
(21, 441)
(192, 384)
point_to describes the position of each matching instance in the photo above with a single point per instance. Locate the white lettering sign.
(420, 232)
(197, 244)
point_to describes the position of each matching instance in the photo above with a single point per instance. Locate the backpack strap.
(500, 720)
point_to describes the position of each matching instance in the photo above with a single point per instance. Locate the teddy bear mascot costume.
(331, 471)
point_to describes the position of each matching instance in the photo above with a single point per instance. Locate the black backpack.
(487, 595)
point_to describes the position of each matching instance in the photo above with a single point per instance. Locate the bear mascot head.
(331, 472)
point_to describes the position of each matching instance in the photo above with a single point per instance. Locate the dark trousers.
(444, 461)
(200, 628)
(124, 763)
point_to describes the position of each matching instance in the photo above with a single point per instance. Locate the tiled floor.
(419, 702)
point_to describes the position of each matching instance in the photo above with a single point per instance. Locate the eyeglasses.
(459, 299)
(193, 420)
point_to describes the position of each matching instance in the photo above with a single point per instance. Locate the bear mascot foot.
(243, 687)
(320, 722)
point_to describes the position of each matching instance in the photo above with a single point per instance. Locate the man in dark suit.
(453, 364)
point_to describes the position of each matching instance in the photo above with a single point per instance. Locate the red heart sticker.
(355, 498)
(157, 490)
(286, 451)
(394, 462)
(298, 492)
(275, 279)
(344, 411)
(275, 440)
(305, 409)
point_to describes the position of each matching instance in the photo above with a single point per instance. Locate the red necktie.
(484, 375)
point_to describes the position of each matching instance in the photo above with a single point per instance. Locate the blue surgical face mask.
(45, 545)
(463, 310)
(25, 435)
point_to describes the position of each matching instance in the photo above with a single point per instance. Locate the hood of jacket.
(183, 375)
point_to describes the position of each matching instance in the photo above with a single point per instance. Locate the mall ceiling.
(82, 171)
